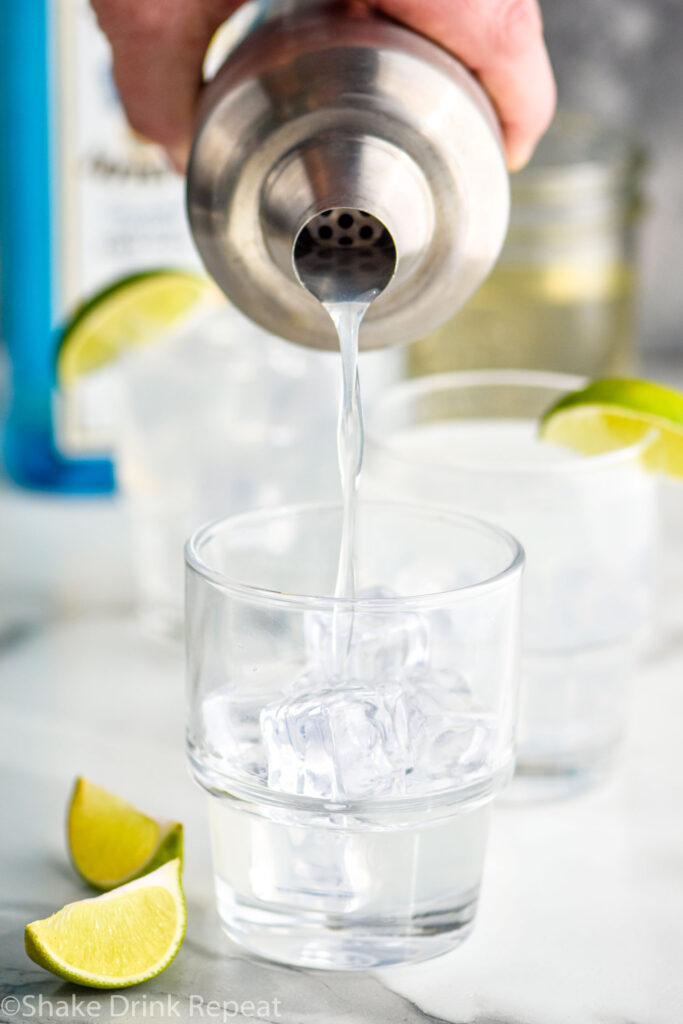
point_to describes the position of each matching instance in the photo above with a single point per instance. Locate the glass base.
(571, 719)
(338, 943)
(348, 887)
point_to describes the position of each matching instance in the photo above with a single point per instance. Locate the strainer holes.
(345, 221)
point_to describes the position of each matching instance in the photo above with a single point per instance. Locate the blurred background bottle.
(563, 293)
(83, 202)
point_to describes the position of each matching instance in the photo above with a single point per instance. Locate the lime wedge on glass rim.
(131, 312)
(118, 939)
(616, 412)
(111, 842)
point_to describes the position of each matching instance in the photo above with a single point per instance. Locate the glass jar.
(562, 296)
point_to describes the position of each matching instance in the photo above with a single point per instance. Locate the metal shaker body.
(326, 107)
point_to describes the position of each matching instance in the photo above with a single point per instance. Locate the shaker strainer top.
(345, 228)
(344, 255)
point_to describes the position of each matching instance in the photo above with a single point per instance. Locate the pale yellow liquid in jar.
(571, 317)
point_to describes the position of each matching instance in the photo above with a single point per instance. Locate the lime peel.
(110, 842)
(135, 310)
(619, 412)
(120, 938)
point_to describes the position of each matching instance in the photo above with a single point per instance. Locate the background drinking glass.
(468, 441)
(351, 748)
(214, 419)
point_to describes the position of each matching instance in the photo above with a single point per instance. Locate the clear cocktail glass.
(351, 748)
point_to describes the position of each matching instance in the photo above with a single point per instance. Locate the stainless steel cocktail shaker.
(327, 119)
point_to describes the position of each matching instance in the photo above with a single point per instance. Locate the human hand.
(159, 48)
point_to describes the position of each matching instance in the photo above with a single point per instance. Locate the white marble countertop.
(581, 920)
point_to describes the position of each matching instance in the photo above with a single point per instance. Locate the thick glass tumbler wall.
(351, 747)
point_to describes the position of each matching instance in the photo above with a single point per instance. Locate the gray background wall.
(623, 59)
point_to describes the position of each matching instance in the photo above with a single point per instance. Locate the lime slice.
(616, 412)
(133, 311)
(111, 842)
(118, 939)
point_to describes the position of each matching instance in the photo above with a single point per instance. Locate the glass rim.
(514, 378)
(266, 595)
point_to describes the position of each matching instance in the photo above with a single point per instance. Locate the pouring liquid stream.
(346, 258)
(347, 317)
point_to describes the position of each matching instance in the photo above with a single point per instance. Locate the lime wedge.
(121, 938)
(133, 311)
(616, 412)
(111, 842)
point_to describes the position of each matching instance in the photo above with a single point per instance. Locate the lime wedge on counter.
(133, 311)
(111, 842)
(616, 412)
(120, 938)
